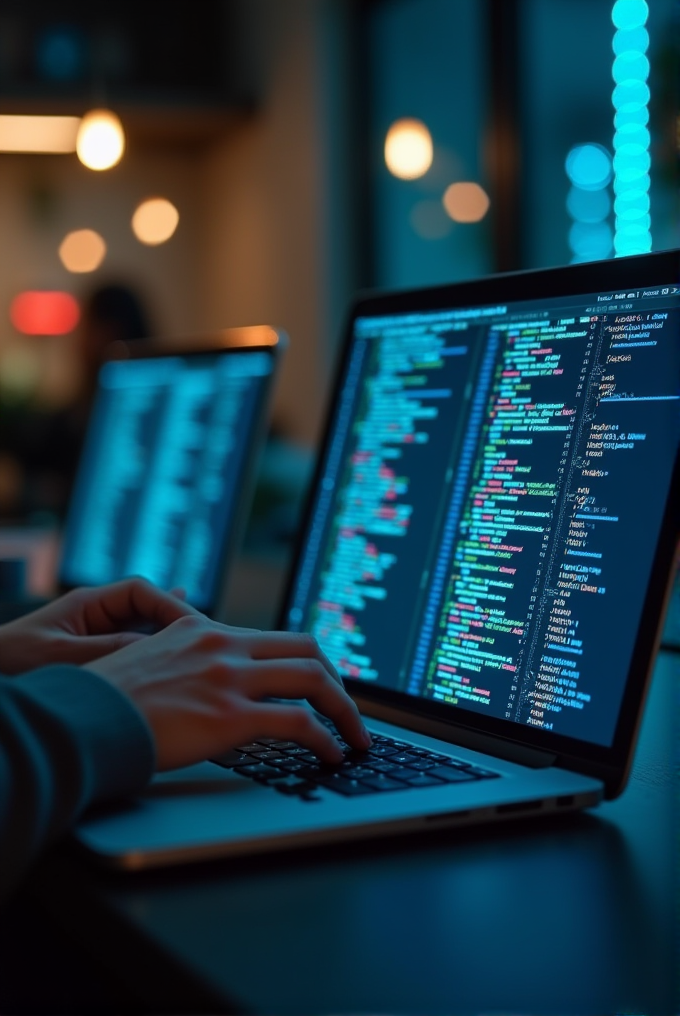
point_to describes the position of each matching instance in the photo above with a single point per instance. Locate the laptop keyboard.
(388, 765)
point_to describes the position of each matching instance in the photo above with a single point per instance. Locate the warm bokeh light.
(466, 202)
(44, 312)
(408, 149)
(154, 221)
(41, 134)
(252, 335)
(83, 250)
(101, 140)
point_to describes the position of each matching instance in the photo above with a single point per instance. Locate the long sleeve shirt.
(67, 739)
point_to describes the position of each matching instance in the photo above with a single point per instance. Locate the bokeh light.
(630, 38)
(588, 205)
(61, 54)
(466, 201)
(82, 250)
(408, 149)
(154, 221)
(630, 66)
(631, 113)
(44, 312)
(591, 241)
(630, 14)
(631, 93)
(631, 204)
(589, 166)
(632, 158)
(44, 134)
(101, 140)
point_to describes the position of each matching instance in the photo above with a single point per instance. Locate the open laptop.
(164, 481)
(486, 558)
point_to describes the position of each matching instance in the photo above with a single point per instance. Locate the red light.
(46, 312)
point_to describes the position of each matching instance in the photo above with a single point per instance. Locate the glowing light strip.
(44, 134)
(632, 160)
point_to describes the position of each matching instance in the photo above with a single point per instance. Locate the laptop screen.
(490, 499)
(161, 475)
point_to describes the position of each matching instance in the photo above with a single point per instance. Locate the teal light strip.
(630, 98)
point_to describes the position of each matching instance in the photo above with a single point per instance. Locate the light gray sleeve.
(67, 739)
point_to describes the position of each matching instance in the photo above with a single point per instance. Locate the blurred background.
(171, 169)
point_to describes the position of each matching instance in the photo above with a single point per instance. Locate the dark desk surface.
(577, 915)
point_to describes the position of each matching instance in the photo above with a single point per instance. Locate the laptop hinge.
(510, 751)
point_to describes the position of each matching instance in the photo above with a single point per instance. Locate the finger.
(307, 679)
(292, 723)
(107, 608)
(272, 645)
(83, 649)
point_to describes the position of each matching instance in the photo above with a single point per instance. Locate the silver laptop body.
(487, 554)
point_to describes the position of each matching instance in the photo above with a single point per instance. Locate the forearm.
(67, 739)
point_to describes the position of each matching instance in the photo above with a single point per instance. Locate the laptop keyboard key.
(421, 763)
(380, 782)
(291, 765)
(452, 775)
(383, 750)
(422, 780)
(258, 771)
(348, 788)
(231, 759)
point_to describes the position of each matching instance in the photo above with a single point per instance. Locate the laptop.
(164, 480)
(486, 557)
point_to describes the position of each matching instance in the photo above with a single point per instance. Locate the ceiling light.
(101, 139)
(41, 134)
(408, 149)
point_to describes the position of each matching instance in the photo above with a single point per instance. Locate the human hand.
(202, 688)
(87, 623)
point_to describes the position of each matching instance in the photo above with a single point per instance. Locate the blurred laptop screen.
(162, 469)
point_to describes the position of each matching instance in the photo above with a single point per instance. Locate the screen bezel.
(610, 763)
(242, 341)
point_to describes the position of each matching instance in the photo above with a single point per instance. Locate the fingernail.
(366, 737)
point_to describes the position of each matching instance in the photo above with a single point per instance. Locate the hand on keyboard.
(203, 688)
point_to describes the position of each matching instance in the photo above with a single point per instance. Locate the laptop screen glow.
(490, 501)
(160, 477)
